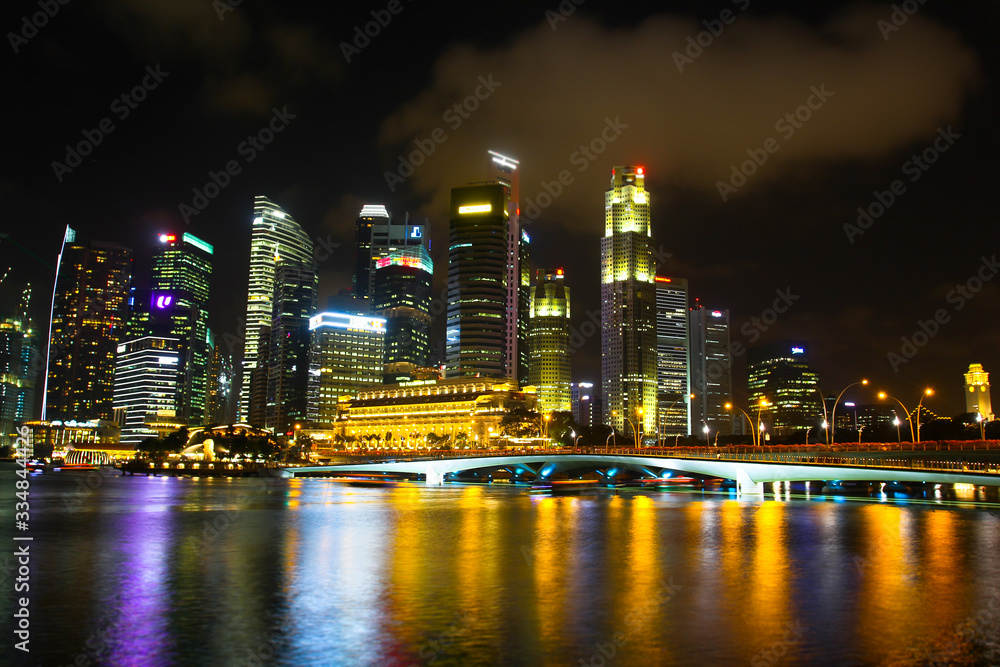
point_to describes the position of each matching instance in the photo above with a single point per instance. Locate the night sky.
(549, 85)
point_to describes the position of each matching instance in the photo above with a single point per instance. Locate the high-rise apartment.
(87, 323)
(711, 372)
(549, 369)
(628, 304)
(275, 236)
(294, 302)
(673, 358)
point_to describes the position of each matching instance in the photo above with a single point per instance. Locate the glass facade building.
(712, 372)
(146, 384)
(403, 298)
(294, 302)
(346, 358)
(550, 371)
(673, 357)
(780, 374)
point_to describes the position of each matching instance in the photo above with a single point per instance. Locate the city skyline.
(803, 196)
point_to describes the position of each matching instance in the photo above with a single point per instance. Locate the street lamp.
(913, 437)
(895, 421)
(760, 425)
(860, 429)
(753, 433)
(822, 401)
(833, 414)
(807, 434)
(708, 442)
(982, 426)
(608, 439)
(666, 413)
(927, 392)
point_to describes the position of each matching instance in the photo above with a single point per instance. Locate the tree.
(519, 422)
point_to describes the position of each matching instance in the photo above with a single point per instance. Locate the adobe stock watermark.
(435, 648)
(372, 29)
(786, 126)
(581, 158)
(30, 25)
(696, 45)
(454, 116)
(565, 9)
(605, 652)
(957, 297)
(774, 653)
(914, 168)
(901, 13)
(122, 106)
(248, 149)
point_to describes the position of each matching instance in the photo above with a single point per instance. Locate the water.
(164, 571)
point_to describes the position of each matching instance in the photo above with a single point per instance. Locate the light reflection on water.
(158, 571)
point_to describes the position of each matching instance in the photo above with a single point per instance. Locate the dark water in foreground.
(162, 571)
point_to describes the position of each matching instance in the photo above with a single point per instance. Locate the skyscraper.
(780, 373)
(673, 358)
(403, 298)
(20, 362)
(977, 392)
(503, 170)
(219, 387)
(275, 236)
(88, 317)
(182, 272)
(711, 371)
(345, 359)
(376, 235)
(549, 369)
(146, 384)
(478, 313)
(294, 303)
(628, 303)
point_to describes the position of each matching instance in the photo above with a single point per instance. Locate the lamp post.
(982, 426)
(860, 429)
(895, 421)
(760, 425)
(807, 434)
(822, 401)
(833, 414)
(753, 433)
(667, 411)
(927, 392)
(608, 439)
(913, 437)
(706, 430)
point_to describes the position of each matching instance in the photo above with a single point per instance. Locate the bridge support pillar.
(746, 485)
(433, 476)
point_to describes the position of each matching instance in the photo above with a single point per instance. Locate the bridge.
(749, 469)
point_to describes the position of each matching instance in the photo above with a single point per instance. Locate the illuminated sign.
(167, 238)
(798, 350)
(716, 313)
(663, 280)
(196, 242)
(346, 321)
(478, 208)
(162, 301)
(412, 262)
(415, 233)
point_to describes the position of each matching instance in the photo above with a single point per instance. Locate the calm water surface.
(164, 571)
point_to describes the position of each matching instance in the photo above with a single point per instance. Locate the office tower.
(628, 304)
(182, 272)
(375, 236)
(87, 324)
(219, 387)
(478, 312)
(20, 363)
(295, 285)
(275, 236)
(673, 358)
(403, 298)
(780, 373)
(503, 170)
(346, 358)
(147, 384)
(711, 372)
(549, 369)
(977, 392)
(582, 400)
(257, 404)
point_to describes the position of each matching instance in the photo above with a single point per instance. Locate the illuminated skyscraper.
(780, 374)
(489, 278)
(673, 358)
(288, 360)
(346, 358)
(147, 381)
(376, 235)
(478, 314)
(88, 318)
(219, 388)
(628, 303)
(403, 297)
(20, 366)
(275, 236)
(584, 404)
(711, 372)
(977, 392)
(549, 369)
(182, 272)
